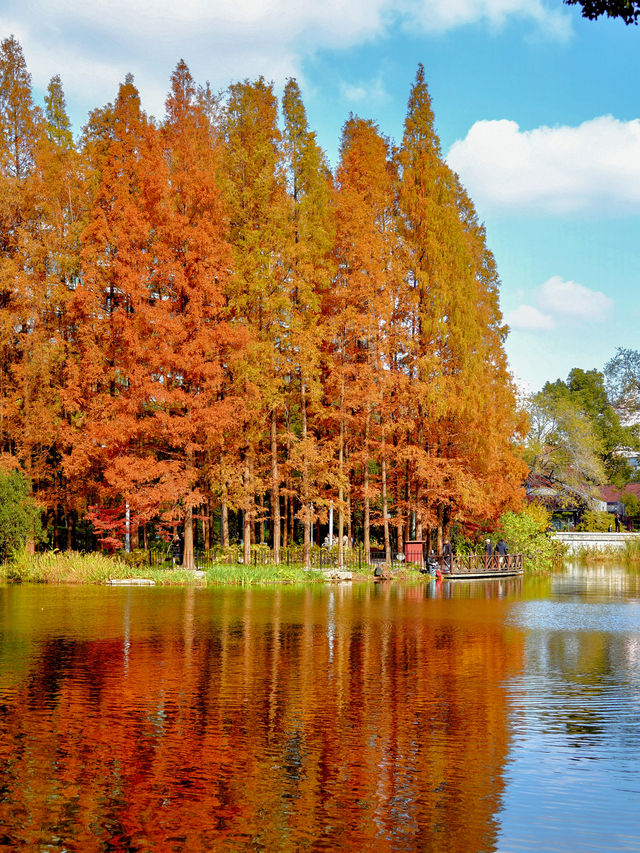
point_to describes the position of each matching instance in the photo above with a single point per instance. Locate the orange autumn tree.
(300, 343)
(308, 260)
(361, 307)
(20, 131)
(203, 353)
(258, 295)
(109, 393)
(457, 363)
(42, 207)
(53, 248)
(151, 347)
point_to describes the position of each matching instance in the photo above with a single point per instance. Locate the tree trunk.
(69, 531)
(224, 518)
(398, 513)
(341, 482)
(246, 515)
(366, 519)
(187, 556)
(285, 531)
(306, 514)
(440, 519)
(385, 515)
(260, 523)
(206, 527)
(288, 532)
(275, 490)
(407, 523)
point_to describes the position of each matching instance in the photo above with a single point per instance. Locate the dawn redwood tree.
(20, 128)
(460, 385)
(259, 299)
(203, 352)
(51, 249)
(146, 381)
(308, 261)
(426, 217)
(20, 120)
(109, 385)
(360, 307)
(40, 208)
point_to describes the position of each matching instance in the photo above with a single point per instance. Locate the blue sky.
(537, 109)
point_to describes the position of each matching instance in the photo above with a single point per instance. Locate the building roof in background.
(612, 494)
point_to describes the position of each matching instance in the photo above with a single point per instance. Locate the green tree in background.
(526, 533)
(584, 395)
(622, 381)
(19, 515)
(562, 442)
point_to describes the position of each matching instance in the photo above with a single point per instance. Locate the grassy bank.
(70, 567)
(629, 554)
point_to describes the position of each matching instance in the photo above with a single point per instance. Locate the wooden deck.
(480, 566)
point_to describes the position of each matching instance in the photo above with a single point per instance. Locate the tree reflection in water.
(349, 718)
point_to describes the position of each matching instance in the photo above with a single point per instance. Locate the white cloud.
(560, 300)
(92, 45)
(441, 15)
(373, 90)
(570, 299)
(593, 168)
(529, 318)
(354, 93)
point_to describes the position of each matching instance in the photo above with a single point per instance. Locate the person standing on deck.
(488, 552)
(502, 551)
(446, 553)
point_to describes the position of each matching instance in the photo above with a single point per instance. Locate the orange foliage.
(197, 317)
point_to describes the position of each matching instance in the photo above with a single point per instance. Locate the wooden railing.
(477, 564)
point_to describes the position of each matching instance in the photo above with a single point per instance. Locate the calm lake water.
(497, 716)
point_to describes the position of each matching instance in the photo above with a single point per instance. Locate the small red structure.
(414, 551)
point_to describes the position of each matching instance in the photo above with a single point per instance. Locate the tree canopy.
(627, 10)
(199, 321)
(576, 434)
(622, 381)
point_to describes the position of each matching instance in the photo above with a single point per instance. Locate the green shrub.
(526, 533)
(596, 521)
(19, 515)
(137, 558)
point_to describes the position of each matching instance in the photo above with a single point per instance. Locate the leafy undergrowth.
(76, 568)
(253, 575)
(71, 567)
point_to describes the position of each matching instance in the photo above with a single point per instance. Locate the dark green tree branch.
(628, 10)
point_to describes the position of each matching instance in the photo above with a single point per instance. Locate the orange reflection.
(370, 718)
